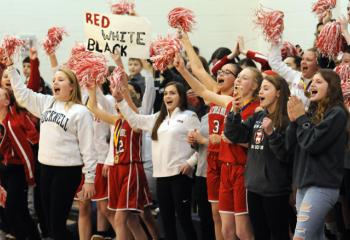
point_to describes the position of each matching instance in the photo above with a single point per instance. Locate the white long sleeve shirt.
(293, 77)
(171, 150)
(66, 135)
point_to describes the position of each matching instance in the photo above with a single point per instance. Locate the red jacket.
(18, 136)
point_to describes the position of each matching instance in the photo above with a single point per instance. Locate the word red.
(97, 20)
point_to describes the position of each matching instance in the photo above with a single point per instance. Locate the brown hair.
(163, 111)
(333, 98)
(280, 116)
(258, 79)
(75, 96)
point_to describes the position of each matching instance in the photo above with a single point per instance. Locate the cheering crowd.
(258, 143)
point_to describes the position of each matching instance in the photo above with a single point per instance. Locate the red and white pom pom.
(11, 45)
(3, 196)
(288, 50)
(321, 6)
(53, 39)
(122, 7)
(163, 52)
(271, 23)
(181, 18)
(78, 48)
(89, 67)
(330, 40)
(116, 77)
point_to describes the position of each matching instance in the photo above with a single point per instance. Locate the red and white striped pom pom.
(181, 18)
(321, 6)
(122, 7)
(11, 45)
(330, 40)
(53, 39)
(89, 68)
(163, 52)
(78, 48)
(271, 23)
(288, 50)
(3, 196)
(116, 77)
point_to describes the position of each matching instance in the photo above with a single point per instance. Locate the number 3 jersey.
(127, 143)
(216, 120)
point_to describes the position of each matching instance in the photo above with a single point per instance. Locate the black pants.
(58, 187)
(204, 209)
(269, 216)
(174, 195)
(20, 224)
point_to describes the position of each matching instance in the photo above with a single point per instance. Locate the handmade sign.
(108, 33)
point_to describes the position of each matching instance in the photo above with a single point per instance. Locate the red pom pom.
(2, 54)
(3, 196)
(322, 6)
(163, 52)
(288, 50)
(271, 23)
(78, 48)
(330, 40)
(53, 39)
(123, 7)
(116, 77)
(88, 66)
(11, 45)
(343, 71)
(181, 17)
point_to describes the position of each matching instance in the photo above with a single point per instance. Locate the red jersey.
(216, 118)
(127, 143)
(234, 153)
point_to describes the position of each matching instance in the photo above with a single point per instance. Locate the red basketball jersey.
(127, 143)
(234, 153)
(216, 119)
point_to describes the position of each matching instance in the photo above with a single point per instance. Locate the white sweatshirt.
(293, 77)
(66, 135)
(171, 150)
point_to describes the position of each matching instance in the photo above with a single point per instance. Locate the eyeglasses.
(226, 72)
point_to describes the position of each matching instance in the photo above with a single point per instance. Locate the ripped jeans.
(313, 204)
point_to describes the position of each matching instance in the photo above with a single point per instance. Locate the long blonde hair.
(75, 96)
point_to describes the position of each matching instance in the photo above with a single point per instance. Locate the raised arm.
(196, 64)
(33, 102)
(198, 87)
(34, 77)
(98, 112)
(150, 92)
(277, 65)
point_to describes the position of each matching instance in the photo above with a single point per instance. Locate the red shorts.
(126, 187)
(232, 193)
(146, 191)
(101, 185)
(213, 176)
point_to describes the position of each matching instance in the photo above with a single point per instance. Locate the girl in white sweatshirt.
(65, 147)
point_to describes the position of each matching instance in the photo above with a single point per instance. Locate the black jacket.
(319, 149)
(267, 170)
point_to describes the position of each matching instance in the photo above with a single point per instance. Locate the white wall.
(219, 22)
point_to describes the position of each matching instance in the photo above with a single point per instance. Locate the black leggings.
(204, 209)
(269, 216)
(20, 224)
(174, 195)
(58, 187)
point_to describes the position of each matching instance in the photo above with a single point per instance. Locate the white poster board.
(130, 35)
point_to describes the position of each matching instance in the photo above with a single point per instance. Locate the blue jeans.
(313, 204)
